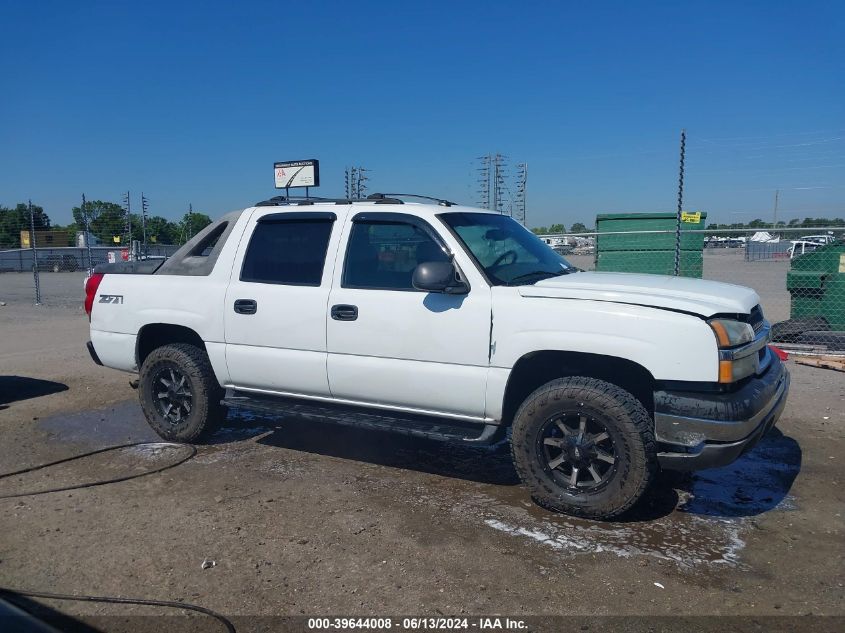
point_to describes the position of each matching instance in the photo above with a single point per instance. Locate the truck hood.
(696, 296)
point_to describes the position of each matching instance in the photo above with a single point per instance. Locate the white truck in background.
(444, 322)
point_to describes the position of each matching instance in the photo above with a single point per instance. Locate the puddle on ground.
(692, 520)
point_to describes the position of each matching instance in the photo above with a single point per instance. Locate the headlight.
(730, 333)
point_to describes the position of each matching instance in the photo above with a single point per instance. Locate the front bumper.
(698, 430)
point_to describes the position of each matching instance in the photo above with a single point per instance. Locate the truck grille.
(755, 319)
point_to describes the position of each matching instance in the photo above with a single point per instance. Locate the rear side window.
(289, 252)
(207, 244)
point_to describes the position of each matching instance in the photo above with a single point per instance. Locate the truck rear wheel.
(584, 447)
(179, 393)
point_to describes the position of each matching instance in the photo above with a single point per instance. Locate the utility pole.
(499, 186)
(492, 182)
(777, 198)
(127, 201)
(85, 219)
(484, 181)
(145, 204)
(521, 192)
(353, 181)
(362, 178)
(34, 255)
(680, 205)
(189, 224)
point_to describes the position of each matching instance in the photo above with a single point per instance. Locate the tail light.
(91, 285)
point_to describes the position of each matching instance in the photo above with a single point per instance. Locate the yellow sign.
(116, 239)
(691, 217)
(842, 263)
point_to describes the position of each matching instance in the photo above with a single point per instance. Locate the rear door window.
(289, 252)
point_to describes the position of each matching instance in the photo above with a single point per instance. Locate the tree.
(162, 231)
(192, 223)
(578, 228)
(106, 220)
(557, 228)
(540, 230)
(13, 221)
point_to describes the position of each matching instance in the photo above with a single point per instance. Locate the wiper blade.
(535, 273)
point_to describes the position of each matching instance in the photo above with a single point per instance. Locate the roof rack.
(387, 196)
(276, 201)
(376, 198)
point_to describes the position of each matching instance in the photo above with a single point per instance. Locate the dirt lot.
(306, 518)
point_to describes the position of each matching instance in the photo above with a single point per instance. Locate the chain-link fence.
(799, 274)
(70, 260)
(30, 242)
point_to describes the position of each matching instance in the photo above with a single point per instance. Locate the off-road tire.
(206, 413)
(631, 431)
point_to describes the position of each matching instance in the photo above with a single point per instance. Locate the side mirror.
(438, 277)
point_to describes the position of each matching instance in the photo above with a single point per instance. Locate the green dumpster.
(653, 262)
(816, 284)
(621, 248)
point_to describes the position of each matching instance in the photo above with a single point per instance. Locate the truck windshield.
(509, 254)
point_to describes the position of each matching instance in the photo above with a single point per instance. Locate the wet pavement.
(687, 520)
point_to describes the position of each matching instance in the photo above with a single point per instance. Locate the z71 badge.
(111, 298)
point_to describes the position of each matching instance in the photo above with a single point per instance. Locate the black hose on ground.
(11, 593)
(113, 480)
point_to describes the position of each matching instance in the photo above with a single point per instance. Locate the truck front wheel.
(584, 447)
(179, 393)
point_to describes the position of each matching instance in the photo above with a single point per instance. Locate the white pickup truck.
(445, 322)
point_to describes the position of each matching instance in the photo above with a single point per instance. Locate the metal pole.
(144, 224)
(191, 221)
(525, 195)
(87, 236)
(129, 222)
(34, 255)
(495, 206)
(680, 206)
(777, 196)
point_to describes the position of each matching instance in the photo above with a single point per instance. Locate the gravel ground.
(303, 518)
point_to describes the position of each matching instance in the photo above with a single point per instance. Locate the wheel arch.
(155, 335)
(535, 369)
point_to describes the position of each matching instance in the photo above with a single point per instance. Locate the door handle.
(344, 312)
(246, 306)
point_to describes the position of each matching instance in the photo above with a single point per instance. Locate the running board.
(429, 427)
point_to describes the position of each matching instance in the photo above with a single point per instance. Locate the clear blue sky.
(192, 102)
